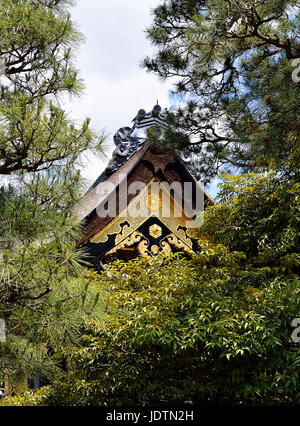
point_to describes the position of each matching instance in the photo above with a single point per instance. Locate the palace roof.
(134, 162)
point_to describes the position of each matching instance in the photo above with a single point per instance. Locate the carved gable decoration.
(143, 202)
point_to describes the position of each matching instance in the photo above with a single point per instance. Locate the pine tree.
(40, 149)
(235, 64)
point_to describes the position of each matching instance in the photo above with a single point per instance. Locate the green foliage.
(259, 214)
(45, 294)
(215, 329)
(37, 398)
(234, 63)
(37, 43)
(38, 327)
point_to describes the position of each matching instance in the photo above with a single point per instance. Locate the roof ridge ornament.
(154, 113)
(129, 140)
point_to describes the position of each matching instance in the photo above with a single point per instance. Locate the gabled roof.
(133, 161)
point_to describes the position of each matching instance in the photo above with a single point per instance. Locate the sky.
(116, 86)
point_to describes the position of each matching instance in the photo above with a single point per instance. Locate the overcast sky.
(116, 86)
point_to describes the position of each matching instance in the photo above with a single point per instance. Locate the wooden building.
(143, 202)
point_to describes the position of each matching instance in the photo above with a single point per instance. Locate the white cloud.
(109, 63)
